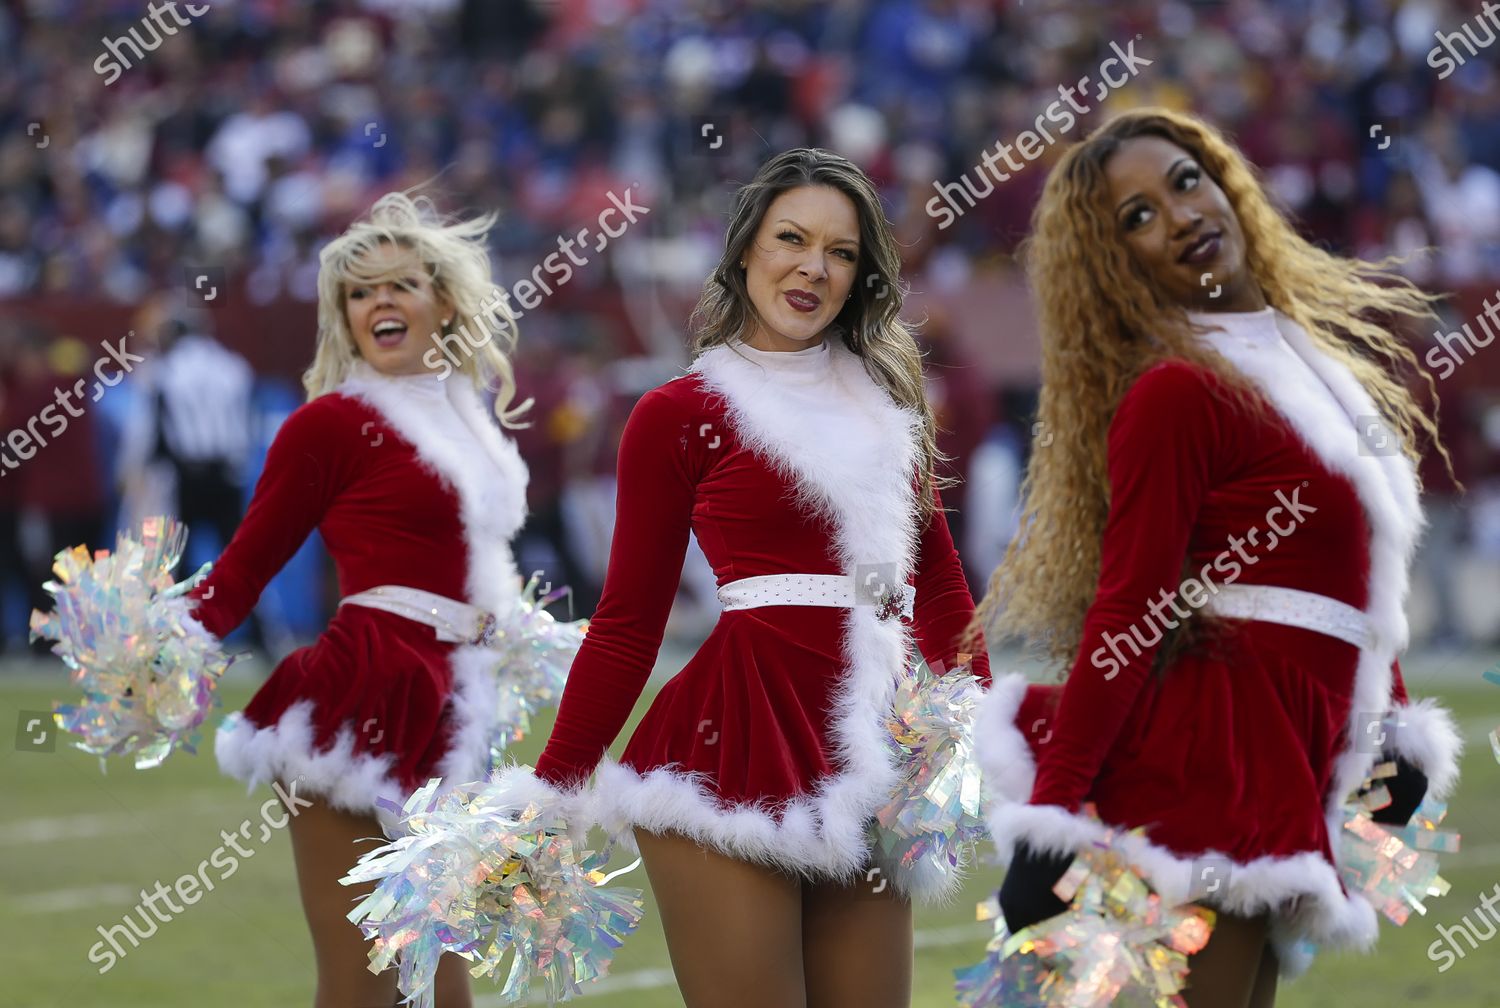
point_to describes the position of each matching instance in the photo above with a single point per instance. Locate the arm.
(944, 608)
(306, 467)
(657, 480)
(1164, 443)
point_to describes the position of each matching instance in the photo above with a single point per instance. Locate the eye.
(789, 236)
(848, 254)
(1135, 217)
(1188, 179)
(358, 293)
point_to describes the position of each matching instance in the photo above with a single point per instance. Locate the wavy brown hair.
(1103, 323)
(869, 324)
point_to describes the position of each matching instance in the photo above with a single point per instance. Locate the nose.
(812, 268)
(1184, 217)
(385, 293)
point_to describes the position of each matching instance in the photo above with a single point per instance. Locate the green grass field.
(77, 846)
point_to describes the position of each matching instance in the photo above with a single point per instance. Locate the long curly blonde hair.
(1103, 324)
(457, 260)
(870, 322)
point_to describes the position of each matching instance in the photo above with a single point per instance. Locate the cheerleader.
(1217, 539)
(799, 450)
(399, 465)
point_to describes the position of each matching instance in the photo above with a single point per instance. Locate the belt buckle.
(890, 605)
(484, 630)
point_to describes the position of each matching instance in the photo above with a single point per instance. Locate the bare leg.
(856, 945)
(1264, 995)
(733, 928)
(450, 987)
(1227, 972)
(326, 842)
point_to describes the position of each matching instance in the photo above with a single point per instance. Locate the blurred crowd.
(137, 149)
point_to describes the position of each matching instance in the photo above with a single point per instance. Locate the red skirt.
(372, 709)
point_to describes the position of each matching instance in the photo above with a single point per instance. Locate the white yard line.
(647, 979)
(65, 900)
(88, 825)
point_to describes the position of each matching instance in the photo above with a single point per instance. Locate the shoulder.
(1173, 401)
(679, 401)
(329, 419)
(1173, 379)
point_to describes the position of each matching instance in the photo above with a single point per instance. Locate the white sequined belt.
(1293, 607)
(455, 622)
(839, 590)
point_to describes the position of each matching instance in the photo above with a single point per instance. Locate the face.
(800, 266)
(1180, 227)
(395, 321)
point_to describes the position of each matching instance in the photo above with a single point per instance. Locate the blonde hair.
(456, 259)
(1103, 324)
(869, 323)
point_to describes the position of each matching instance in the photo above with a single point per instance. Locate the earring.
(742, 264)
(446, 321)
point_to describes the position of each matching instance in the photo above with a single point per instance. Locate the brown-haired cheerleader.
(1216, 538)
(799, 450)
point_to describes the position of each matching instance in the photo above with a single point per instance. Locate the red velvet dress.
(1245, 749)
(411, 483)
(769, 744)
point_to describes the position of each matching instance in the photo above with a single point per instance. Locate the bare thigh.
(734, 929)
(1231, 970)
(326, 842)
(856, 945)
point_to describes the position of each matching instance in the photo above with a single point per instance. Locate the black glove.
(1026, 895)
(1407, 788)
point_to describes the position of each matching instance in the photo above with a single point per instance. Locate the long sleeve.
(944, 608)
(1163, 443)
(656, 477)
(306, 467)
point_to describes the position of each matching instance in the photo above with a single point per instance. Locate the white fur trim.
(492, 505)
(285, 751)
(1003, 753)
(1426, 735)
(850, 452)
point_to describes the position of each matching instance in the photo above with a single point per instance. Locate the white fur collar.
(849, 449)
(438, 417)
(1323, 402)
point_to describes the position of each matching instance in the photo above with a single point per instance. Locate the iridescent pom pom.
(925, 835)
(536, 651)
(487, 871)
(147, 668)
(1118, 944)
(1396, 870)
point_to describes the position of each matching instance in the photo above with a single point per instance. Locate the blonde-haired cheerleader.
(1216, 538)
(396, 460)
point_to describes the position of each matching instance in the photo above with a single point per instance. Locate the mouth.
(1203, 249)
(388, 332)
(803, 301)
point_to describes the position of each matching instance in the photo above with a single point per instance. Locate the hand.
(1026, 895)
(1407, 788)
